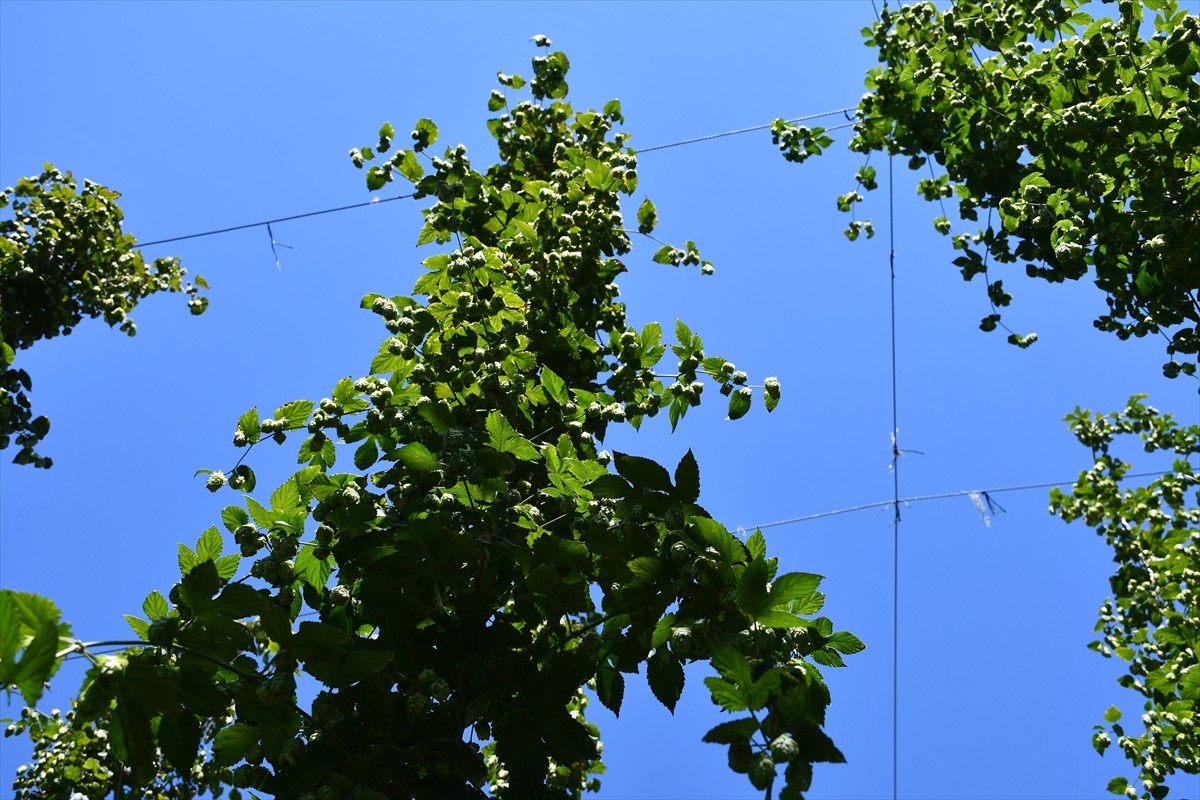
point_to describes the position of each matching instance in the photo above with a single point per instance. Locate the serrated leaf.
(665, 676)
(227, 566)
(756, 543)
(828, 658)
(809, 603)
(647, 216)
(312, 570)
(232, 742)
(731, 664)
(556, 387)
(752, 589)
(683, 334)
(286, 497)
(687, 479)
(713, 534)
(187, 559)
(610, 687)
(246, 475)
(233, 517)
(248, 424)
(209, 545)
(846, 643)
(139, 626)
(366, 454)
(725, 694)
(780, 619)
(503, 438)
(155, 605)
(644, 473)
(294, 414)
(662, 631)
(791, 585)
(739, 404)
(735, 730)
(663, 254)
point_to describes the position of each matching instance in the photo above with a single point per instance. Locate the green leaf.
(139, 626)
(312, 570)
(665, 676)
(713, 534)
(155, 605)
(809, 603)
(725, 694)
(424, 134)
(792, 585)
(234, 517)
(1112, 715)
(664, 255)
(739, 403)
(294, 414)
(187, 559)
(556, 387)
(828, 658)
(366, 454)
(504, 439)
(417, 457)
(731, 664)
(643, 473)
(781, 619)
(610, 687)
(647, 216)
(210, 545)
(37, 663)
(846, 643)
(249, 426)
(199, 585)
(757, 544)
(687, 479)
(377, 178)
(735, 730)
(1118, 785)
(227, 566)
(232, 742)
(662, 631)
(237, 600)
(752, 597)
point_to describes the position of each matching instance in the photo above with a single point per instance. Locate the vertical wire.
(895, 497)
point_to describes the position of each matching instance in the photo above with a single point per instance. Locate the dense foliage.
(1076, 138)
(481, 560)
(64, 258)
(1152, 620)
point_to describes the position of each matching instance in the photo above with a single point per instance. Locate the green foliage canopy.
(482, 560)
(1075, 137)
(64, 258)
(1152, 620)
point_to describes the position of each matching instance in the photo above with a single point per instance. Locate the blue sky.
(213, 115)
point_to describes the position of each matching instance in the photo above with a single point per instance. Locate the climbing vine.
(64, 258)
(474, 568)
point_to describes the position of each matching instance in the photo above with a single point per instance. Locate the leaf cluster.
(1152, 618)
(1076, 138)
(478, 559)
(65, 258)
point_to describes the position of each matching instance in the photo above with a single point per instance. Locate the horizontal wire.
(711, 136)
(907, 500)
(377, 200)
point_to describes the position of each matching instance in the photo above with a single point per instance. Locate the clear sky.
(208, 115)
